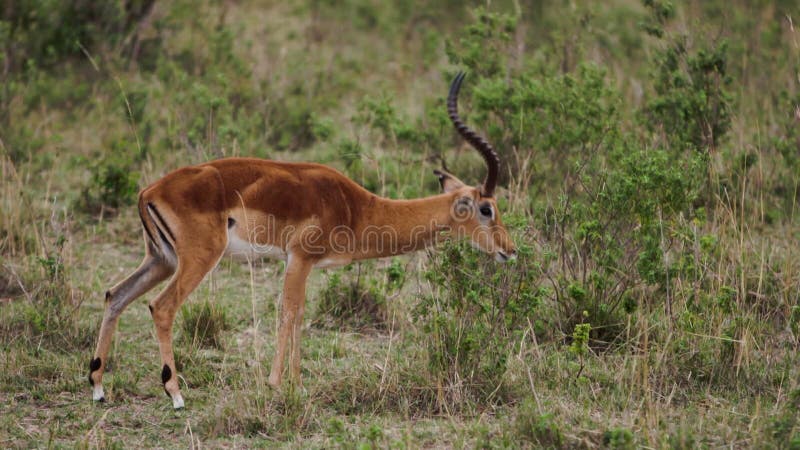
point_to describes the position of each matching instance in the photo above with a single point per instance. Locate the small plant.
(337, 432)
(395, 274)
(619, 439)
(352, 299)
(51, 313)
(292, 410)
(204, 323)
(794, 322)
(541, 430)
(113, 183)
(374, 437)
(682, 439)
(580, 345)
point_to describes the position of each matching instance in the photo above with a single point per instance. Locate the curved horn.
(478, 142)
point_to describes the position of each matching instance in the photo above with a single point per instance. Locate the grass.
(701, 354)
(367, 388)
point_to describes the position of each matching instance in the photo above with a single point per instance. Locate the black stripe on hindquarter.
(160, 223)
(146, 229)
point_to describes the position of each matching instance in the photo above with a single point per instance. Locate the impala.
(307, 214)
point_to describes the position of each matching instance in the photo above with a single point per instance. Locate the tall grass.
(649, 178)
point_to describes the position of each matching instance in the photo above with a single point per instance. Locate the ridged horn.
(478, 142)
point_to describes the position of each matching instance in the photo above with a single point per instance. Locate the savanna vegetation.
(651, 161)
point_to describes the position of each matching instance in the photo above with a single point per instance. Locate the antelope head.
(474, 210)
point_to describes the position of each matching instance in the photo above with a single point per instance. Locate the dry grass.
(720, 371)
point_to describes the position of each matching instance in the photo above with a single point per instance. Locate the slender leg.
(294, 297)
(151, 272)
(191, 271)
(295, 349)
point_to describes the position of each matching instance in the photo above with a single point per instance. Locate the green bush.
(113, 184)
(692, 105)
(478, 311)
(47, 31)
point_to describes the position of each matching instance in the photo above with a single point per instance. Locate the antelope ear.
(448, 181)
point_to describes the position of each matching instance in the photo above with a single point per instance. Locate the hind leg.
(152, 271)
(191, 271)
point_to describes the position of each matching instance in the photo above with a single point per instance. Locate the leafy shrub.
(485, 43)
(692, 105)
(47, 33)
(618, 198)
(113, 183)
(477, 312)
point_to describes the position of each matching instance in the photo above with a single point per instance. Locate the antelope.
(307, 214)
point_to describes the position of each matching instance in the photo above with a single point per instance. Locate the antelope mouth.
(502, 257)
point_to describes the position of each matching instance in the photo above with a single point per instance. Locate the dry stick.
(797, 117)
(191, 436)
(388, 352)
(92, 431)
(143, 23)
(668, 302)
(131, 122)
(251, 270)
(19, 282)
(742, 279)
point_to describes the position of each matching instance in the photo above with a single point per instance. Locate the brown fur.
(307, 213)
(196, 202)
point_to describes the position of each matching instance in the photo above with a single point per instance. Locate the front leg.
(292, 306)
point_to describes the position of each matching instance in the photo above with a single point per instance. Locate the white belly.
(240, 249)
(327, 263)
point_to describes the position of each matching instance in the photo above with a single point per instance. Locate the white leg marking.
(97, 392)
(177, 401)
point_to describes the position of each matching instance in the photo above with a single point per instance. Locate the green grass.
(368, 387)
(676, 249)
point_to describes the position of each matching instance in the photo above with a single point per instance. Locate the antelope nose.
(502, 256)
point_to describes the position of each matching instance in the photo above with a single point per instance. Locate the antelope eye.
(486, 211)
